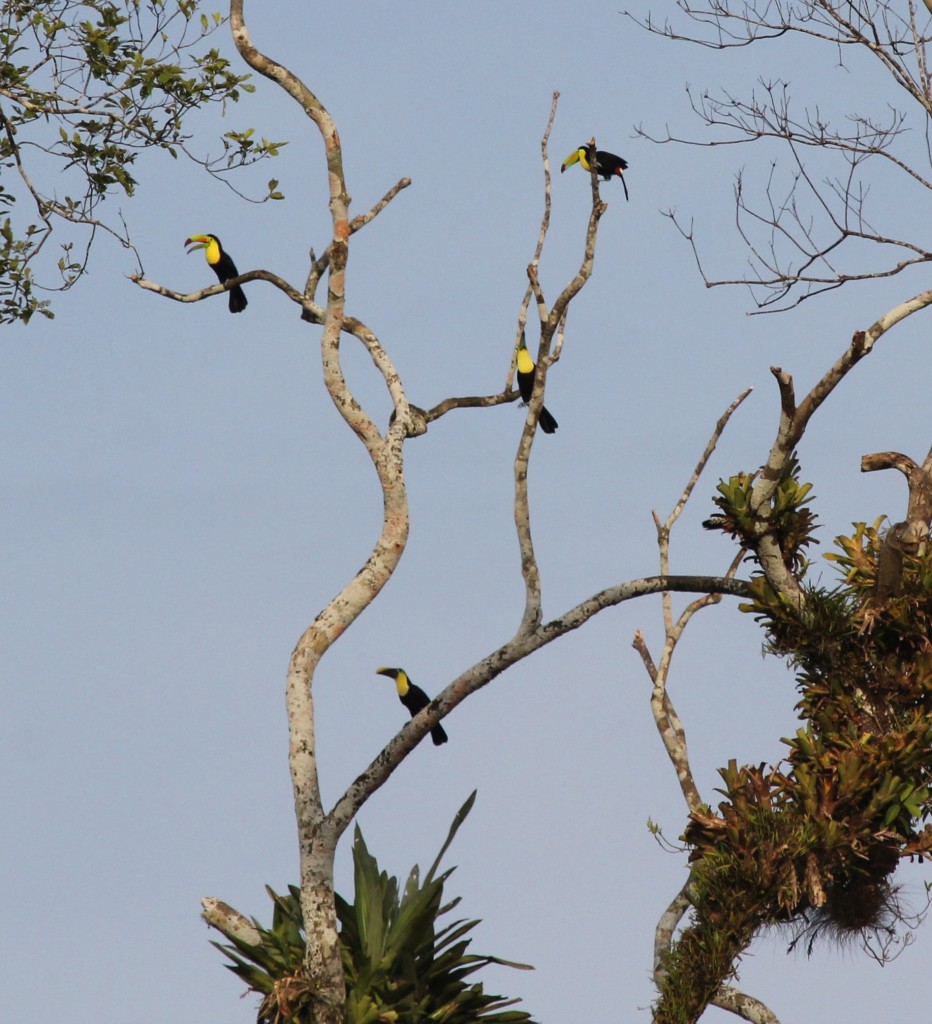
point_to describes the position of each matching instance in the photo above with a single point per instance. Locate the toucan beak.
(196, 242)
(573, 158)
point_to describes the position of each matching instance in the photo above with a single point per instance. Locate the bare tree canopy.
(815, 225)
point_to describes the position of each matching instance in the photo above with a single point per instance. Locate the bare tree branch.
(908, 537)
(541, 237)
(666, 929)
(319, 265)
(810, 232)
(502, 658)
(744, 1006)
(552, 323)
(317, 841)
(666, 719)
(229, 922)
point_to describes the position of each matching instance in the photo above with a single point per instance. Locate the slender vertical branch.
(552, 324)
(666, 719)
(541, 237)
(673, 735)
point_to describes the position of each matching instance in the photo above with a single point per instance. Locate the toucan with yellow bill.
(527, 371)
(607, 165)
(413, 698)
(221, 264)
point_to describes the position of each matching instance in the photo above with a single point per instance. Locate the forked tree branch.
(673, 735)
(793, 421)
(810, 232)
(551, 323)
(666, 719)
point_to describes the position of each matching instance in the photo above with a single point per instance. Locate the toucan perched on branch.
(221, 264)
(607, 165)
(527, 370)
(413, 698)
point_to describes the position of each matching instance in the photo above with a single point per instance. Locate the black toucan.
(413, 698)
(607, 165)
(527, 370)
(221, 264)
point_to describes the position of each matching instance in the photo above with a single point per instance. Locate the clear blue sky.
(180, 498)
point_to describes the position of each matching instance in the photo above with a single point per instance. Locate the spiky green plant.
(788, 516)
(400, 967)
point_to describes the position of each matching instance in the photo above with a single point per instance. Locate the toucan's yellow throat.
(400, 677)
(525, 362)
(209, 243)
(527, 373)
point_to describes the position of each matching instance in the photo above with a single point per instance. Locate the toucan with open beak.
(221, 264)
(607, 165)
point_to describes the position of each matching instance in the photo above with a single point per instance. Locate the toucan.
(413, 698)
(221, 264)
(526, 373)
(607, 165)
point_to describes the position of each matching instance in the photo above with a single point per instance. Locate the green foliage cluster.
(85, 87)
(399, 966)
(788, 516)
(811, 844)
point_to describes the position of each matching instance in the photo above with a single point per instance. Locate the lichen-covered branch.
(551, 324)
(666, 719)
(502, 658)
(229, 922)
(320, 264)
(317, 840)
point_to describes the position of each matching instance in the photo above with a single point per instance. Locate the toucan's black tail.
(237, 300)
(547, 423)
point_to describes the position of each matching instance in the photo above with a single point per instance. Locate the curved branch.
(469, 402)
(727, 997)
(218, 289)
(317, 841)
(666, 929)
(503, 657)
(744, 1006)
(905, 538)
